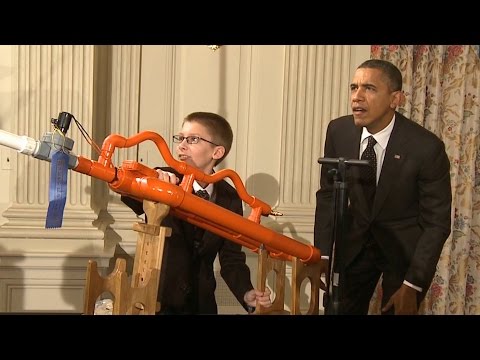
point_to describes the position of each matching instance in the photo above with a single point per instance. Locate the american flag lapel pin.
(397, 157)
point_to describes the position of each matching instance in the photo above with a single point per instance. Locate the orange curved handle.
(114, 140)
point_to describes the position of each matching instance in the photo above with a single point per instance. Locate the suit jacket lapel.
(353, 143)
(352, 146)
(395, 155)
(221, 199)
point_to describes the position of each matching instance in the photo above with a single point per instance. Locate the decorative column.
(316, 83)
(122, 111)
(49, 80)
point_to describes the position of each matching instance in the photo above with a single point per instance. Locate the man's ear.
(218, 152)
(398, 98)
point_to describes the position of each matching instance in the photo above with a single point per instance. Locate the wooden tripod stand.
(140, 297)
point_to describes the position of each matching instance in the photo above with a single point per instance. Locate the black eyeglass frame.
(192, 139)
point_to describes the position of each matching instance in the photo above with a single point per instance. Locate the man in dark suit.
(398, 229)
(187, 282)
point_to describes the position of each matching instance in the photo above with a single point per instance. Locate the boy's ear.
(218, 152)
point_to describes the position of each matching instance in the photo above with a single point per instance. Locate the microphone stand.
(334, 296)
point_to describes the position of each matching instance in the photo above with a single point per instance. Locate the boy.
(187, 283)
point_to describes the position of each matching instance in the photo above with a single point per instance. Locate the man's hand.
(404, 301)
(256, 297)
(167, 176)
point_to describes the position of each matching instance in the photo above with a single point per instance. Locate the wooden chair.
(140, 297)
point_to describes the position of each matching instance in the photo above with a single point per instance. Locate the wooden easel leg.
(141, 296)
(300, 272)
(148, 259)
(116, 283)
(265, 265)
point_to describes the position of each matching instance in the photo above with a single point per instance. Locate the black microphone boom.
(334, 296)
(334, 161)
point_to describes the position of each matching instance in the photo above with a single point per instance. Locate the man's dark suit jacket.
(181, 273)
(411, 214)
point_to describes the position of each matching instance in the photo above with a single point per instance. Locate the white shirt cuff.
(419, 289)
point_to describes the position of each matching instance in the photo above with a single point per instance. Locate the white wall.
(277, 98)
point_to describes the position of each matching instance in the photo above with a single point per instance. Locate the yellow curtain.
(441, 86)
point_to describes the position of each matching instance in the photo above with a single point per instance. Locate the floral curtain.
(441, 86)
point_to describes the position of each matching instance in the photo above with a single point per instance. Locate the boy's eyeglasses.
(193, 139)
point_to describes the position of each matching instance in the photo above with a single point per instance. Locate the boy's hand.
(254, 297)
(167, 177)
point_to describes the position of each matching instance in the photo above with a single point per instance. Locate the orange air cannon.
(141, 182)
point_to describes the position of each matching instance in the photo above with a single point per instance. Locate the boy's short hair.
(217, 127)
